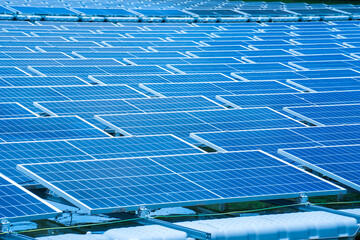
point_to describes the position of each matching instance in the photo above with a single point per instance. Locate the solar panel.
(26, 96)
(327, 115)
(87, 109)
(13, 110)
(165, 61)
(332, 135)
(336, 73)
(44, 81)
(322, 65)
(274, 101)
(35, 129)
(278, 101)
(227, 68)
(265, 76)
(38, 55)
(339, 162)
(11, 71)
(104, 186)
(94, 70)
(163, 78)
(17, 203)
(217, 88)
(340, 97)
(12, 154)
(270, 140)
(174, 104)
(98, 92)
(267, 140)
(327, 84)
(181, 124)
(139, 146)
(27, 62)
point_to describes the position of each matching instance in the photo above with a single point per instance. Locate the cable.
(184, 215)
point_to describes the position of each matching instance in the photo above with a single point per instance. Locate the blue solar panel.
(174, 104)
(40, 55)
(327, 84)
(327, 115)
(212, 89)
(43, 10)
(337, 73)
(139, 146)
(13, 110)
(101, 70)
(11, 71)
(323, 65)
(340, 163)
(227, 68)
(104, 186)
(332, 135)
(87, 109)
(27, 62)
(163, 78)
(265, 76)
(267, 140)
(26, 96)
(43, 81)
(12, 154)
(165, 61)
(35, 129)
(98, 92)
(275, 101)
(181, 124)
(278, 101)
(301, 59)
(4, 10)
(17, 203)
(271, 140)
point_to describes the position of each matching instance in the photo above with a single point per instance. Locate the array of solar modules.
(116, 116)
(208, 11)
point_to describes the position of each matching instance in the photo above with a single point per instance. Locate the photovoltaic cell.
(104, 186)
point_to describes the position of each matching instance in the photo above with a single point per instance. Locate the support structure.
(310, 207)
(193, 233)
